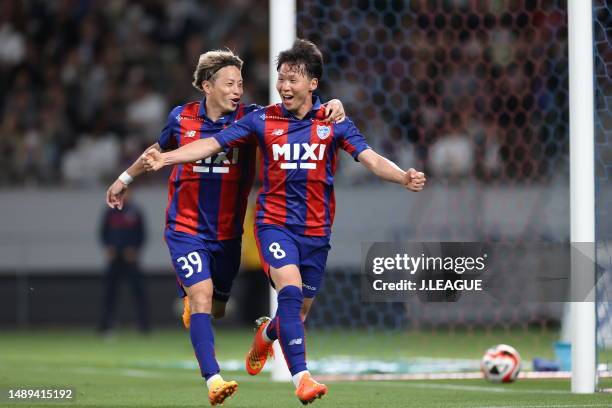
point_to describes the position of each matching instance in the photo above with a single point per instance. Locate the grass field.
(157, 371)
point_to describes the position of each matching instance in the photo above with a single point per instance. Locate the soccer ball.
(501, 363)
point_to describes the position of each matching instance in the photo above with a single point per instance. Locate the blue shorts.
(196, 259)
(279, 247)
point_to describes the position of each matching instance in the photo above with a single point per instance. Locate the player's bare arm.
(116, 191)
(153, 159)
(387, 170)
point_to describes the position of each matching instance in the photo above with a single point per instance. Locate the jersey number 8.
(276, 250)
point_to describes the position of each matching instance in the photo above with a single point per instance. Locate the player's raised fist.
(414, 180)
(152, 160)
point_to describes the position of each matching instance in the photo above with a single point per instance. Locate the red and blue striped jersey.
(298, 163)
(209, 197)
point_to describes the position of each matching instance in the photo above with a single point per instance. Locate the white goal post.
(282, 36)
(582, 189)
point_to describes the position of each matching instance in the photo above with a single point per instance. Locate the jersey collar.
(223, 120)
(316, 105)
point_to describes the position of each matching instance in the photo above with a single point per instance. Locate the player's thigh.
(288, 275)
(280, 256)
(190, 258)
(224, 267)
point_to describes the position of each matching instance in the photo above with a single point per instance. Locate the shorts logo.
(323, 131)
(295, 342)
(309, 287)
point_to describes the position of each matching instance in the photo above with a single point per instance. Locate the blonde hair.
(211, 62)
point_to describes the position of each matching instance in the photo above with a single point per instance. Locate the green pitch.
(156, 371)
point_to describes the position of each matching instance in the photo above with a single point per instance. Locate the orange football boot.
(221, 390)
(260, 349)
(309, 389)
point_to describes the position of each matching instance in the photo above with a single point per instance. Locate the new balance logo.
(190, 133)
(278, 132)
(308, 287)
(218, 163)
(295, 342)
(298, 152)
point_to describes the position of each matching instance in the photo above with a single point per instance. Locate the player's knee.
(200, 302)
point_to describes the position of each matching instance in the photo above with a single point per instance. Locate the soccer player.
(206, 203)
(295, 206)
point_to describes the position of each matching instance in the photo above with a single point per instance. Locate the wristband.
(125, 178)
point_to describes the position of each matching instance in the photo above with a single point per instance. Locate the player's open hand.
(334, 111)
(152, 160)
(414, 180)
(115, 194)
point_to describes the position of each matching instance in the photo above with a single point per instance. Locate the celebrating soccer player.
(295, 206)
(206, 203)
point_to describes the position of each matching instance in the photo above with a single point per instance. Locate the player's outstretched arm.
(387, 170)
(154, 160)
(116, 191)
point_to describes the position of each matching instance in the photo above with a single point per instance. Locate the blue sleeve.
(250, 108)
(167, 138)
(239, 133)
(350, 138)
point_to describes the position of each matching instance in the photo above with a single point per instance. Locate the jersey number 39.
(189, 262)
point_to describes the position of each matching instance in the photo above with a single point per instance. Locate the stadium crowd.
(86, 85)
(460, 90)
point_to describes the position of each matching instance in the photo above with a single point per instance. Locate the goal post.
(582, 188)
(282, 36)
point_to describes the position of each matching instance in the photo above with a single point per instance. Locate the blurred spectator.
(80, 79)
(10, 137)
(122, 233)
(146, 113)
(451, 157)
(95, 157)
(12, 45)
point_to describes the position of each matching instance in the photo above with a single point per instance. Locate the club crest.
(323, 131)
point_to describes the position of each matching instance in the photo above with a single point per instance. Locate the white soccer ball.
(501, 363)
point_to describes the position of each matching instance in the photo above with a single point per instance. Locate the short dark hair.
(304, 53)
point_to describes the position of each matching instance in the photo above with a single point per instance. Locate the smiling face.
(295, 88)
(224, 90)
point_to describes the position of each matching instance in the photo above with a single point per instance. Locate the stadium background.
(473, 92)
